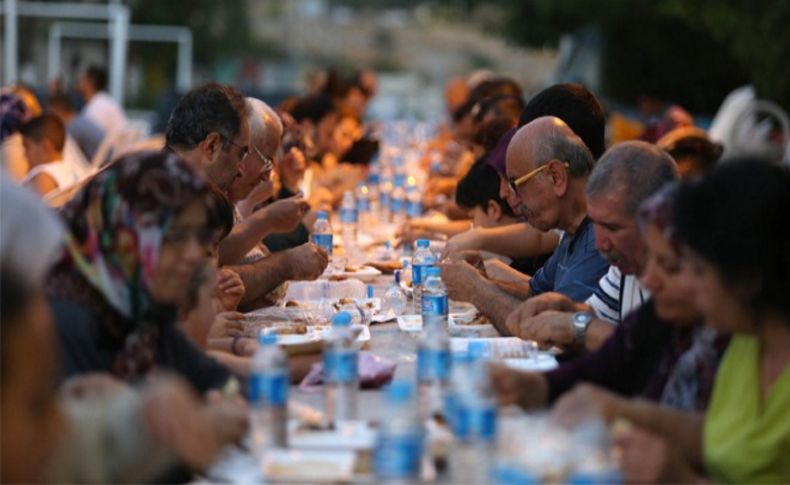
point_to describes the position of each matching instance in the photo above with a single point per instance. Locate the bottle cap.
(400, 391)
(322, 215)
(267, 338)
(423, 243)
(341, 319)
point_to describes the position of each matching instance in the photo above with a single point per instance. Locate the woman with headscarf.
(139, 236)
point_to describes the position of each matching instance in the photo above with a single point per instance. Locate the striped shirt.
(617, 295)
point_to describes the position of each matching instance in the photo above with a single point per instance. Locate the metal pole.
(119, 44)
(184, 71)
(11, 52)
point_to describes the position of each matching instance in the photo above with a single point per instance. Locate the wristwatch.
(580, 321)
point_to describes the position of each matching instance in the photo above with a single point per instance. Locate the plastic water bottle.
(374, 179)
(433, 369)
(474, 422)
(341, 376)
(268, 394)
(420, 261)
(322, 232)
(363, 205)
(413, 202)
(398, 200)
(397, 455)
(385, 198)
(348, 219)
(394, 300)
(434, 303)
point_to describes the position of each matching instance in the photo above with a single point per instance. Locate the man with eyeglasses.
(242, 249)
(547, 169)
(209, 128)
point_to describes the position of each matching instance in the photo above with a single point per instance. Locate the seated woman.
(733, 224)
(139, 235)
(660, 352)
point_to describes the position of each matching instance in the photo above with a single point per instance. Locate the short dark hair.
(736, 218)
(491, 131)
(501, 105)
(577, 107)
(314, 108)
(97, 76)
(479, 186)
(61, 101)
(212, 107)
(220, 211)
(46, 126)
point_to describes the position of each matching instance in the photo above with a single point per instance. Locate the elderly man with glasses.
(242, 249)
(547, 168)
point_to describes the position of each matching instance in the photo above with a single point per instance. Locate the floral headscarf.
(116, 225)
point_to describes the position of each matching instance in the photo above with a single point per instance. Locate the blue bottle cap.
(433, 271)
(341, 319)
(322, 215)
(400, 391)
(267, 338)
(397, 276)
(370, 291)
(423, 243)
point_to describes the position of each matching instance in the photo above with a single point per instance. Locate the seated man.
(44, 138)
(623, 178)
(242, 248)
(549, 159)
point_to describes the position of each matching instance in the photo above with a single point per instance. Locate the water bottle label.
(340, 367)
(396, 205)
(414, 209)
(363, 205)
(434, 305)
(269, 388)
(348, 215)
(474, 422)
(417, 273)
(433, 365)
(398, 456)
(323, 241)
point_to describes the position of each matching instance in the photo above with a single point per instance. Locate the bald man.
(242, 249)
(547, 168)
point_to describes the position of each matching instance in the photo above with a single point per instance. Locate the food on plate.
(350, 268)
(386, 267)
(478, 320)
(296, 326)
(292, 303)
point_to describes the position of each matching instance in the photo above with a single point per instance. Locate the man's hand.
(461, 280)
(536, 305)
(227, 324)
(467, 240)
(585, 402)
(525, 389)
(648, 458)
(307, 262)
(285, 215)
(550, 328)
(230, 289)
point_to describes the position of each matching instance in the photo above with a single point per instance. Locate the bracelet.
(233, 350)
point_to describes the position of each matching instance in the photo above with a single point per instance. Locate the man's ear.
(212, 145)
(559, 178)
(494, 211)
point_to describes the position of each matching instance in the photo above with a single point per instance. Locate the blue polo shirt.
(574, 268)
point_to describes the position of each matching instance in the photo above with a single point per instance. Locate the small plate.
(353, 435)
(413, 324)
(365, 274)
(542, 362)
(308, 466)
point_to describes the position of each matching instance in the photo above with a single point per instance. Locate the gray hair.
(260, 111)
(639, 167)
(557, 145)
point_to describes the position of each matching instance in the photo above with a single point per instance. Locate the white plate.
(314, 339)
(501, 347)
(365, 274)
(353, 435)
(308, 465)
(413, 324)
(542, 362)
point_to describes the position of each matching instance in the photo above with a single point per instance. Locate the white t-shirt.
(105, 112)
(617, 295)
(64, 174)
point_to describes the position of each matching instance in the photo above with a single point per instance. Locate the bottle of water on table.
(341, 375)
(433, 369)
(397, 455)
(474, 417)
(349, 217)
(413, 202)
(363, 205)
(398, 200)
(394, 300)
(268, 394)
(422, 259)
(433, 303)
(322, 232)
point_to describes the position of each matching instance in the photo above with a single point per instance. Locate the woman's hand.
(227, 324)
